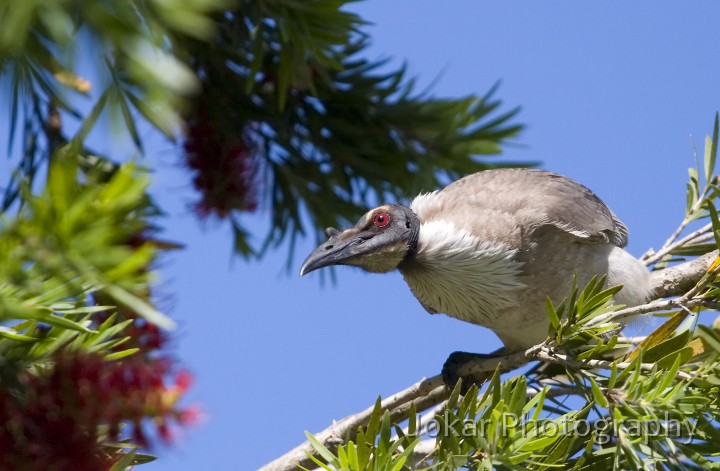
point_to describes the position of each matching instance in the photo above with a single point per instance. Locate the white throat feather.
(456, 273)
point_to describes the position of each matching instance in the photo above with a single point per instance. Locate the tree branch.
(679, 279)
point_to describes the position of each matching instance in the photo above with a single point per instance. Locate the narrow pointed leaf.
(599, 397)
(660, 334)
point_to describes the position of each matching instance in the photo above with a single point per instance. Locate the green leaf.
(667, 378)
(518, 457)
(519, 396)
(597, 299)
(82, 310)
(139, 306)
(142, 458)
(342, 455)
(715, 222)
(660, 334)
(321, 450)
(682, 355)
(12, 334)
(161, 119)
(95, 346)
(363, 449)
(61, 322)
(599, 397)
(125, 462)
(352, 456)
(373, 426)
(412, 421)
(709, 336)
(613, 375)
(540, 443)
(559, 451)
(129, 120)
(552, 314)
(693, 190)
(90, 120)
(385, 428)
(121, 354)
(537, 401)
(317, 462)
(671, 345)
(711, 145)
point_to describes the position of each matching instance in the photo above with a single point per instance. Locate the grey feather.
(534, 199)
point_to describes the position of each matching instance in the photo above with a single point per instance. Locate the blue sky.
(610, 92)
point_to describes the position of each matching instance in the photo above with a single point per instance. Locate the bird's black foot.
(471, 367)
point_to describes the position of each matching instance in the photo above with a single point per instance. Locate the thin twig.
(653, 306)
(555, 390)
(547, 355)
(666, 249)
(688, 219)
(675, 234)
(632, 340)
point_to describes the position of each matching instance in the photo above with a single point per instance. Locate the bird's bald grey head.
(380, 240)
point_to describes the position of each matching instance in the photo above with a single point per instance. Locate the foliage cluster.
(276, 107)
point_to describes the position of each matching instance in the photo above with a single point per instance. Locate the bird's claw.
(459, 365)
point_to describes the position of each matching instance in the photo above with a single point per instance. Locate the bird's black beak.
(339, 247)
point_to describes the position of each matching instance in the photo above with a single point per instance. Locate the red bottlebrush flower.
(58, 419)
(183, 381)
(224, 161)
(190, 415)
(144, 335)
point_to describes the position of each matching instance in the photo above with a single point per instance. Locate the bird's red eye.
(381, 219)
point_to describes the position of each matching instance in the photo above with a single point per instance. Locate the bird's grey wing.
(537, 199)
(575, 209)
